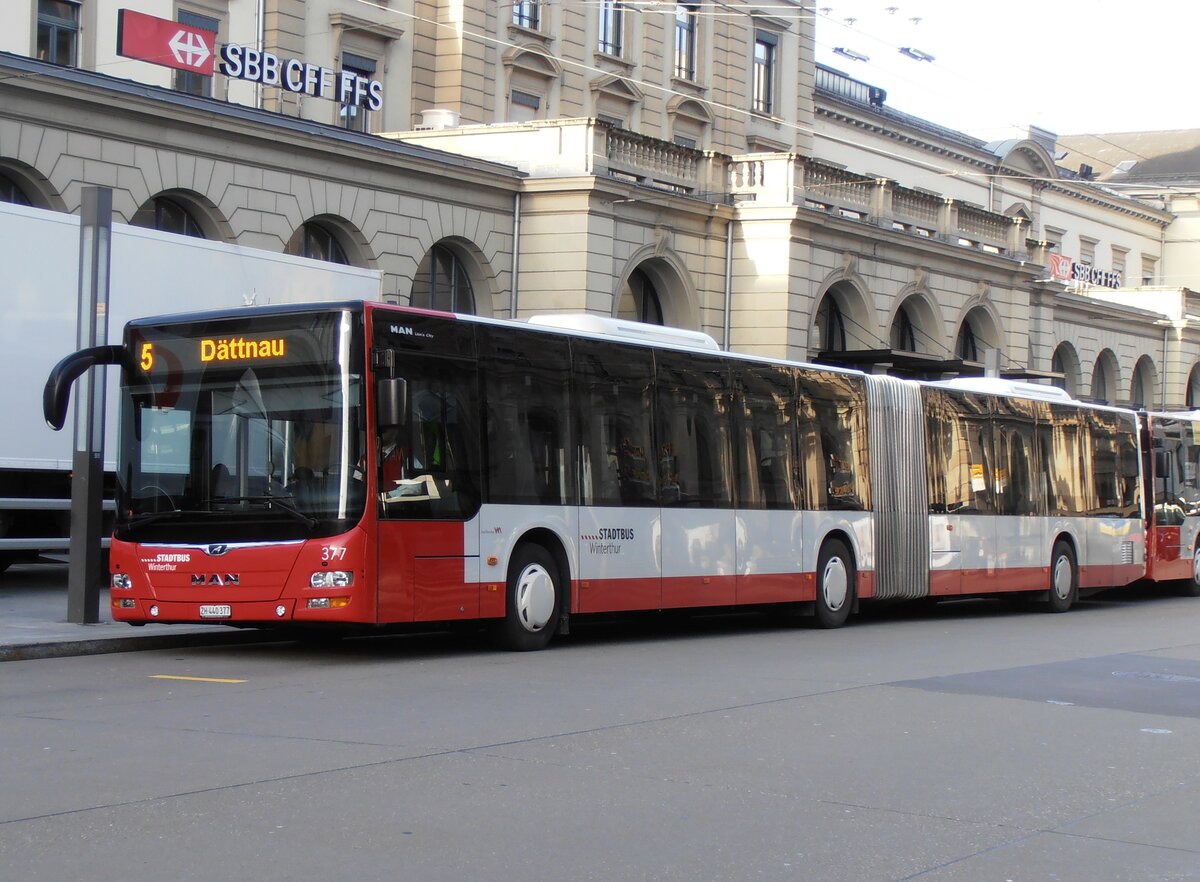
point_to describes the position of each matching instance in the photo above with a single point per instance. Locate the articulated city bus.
(369, 465)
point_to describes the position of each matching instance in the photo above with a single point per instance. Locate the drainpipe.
(516, 256)
(728, 283)
(262, 47)
(1162, 395)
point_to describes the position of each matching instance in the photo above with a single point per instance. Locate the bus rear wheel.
(835, 585)
(533, 600)
(1064, 579)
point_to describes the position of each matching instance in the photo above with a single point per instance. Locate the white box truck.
(152, 273)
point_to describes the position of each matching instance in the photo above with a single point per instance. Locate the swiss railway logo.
(189, 48)
(165, 42)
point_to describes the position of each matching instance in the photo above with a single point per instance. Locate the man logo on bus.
(216, 579)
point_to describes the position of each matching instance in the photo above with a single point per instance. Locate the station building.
(653, 162)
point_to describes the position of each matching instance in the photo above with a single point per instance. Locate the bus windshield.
(243, 432)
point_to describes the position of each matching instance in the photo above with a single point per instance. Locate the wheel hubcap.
(1062, 578)
(1196, 566)
(835, 584)
(534, 597)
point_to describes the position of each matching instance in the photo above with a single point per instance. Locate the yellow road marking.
(194, 679)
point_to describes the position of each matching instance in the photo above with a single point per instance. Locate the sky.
(1069, 66)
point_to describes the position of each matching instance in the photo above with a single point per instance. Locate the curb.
(105, 645)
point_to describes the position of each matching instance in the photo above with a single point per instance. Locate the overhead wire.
(710, 8)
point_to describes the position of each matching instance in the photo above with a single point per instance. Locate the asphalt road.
(968, 742)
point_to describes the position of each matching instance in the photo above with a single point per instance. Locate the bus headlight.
(331, 579)
(122, 581)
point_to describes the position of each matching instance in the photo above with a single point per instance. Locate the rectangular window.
(766, 46)
(524, 106)
(1120, 257)
(959, 439)
(615, 389)
(684, 141)
(58, 32)
(1149, 269)
(612, 23)
(528, 455)
(1087, 251)
(527, 14)
(685, 41)
(189, 81)
(356, 117)
(831, 411)
(1054, 238)
(693, 432)
(1019, 490)
(768, 470)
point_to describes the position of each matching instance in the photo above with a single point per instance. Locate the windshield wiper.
(151, 516)
(279, 502)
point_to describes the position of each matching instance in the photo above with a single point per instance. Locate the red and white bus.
(363, 464)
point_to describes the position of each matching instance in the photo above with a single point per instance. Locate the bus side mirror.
(56, 394)
(391, 402)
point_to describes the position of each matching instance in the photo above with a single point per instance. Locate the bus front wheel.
(533, 600)
(1064, 579)
(835, 585)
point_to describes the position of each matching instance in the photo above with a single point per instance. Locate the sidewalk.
(33, 622)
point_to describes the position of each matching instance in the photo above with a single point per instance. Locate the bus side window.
(440, 444)
(614, 405)
(526, 380)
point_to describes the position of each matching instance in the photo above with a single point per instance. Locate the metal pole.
(516, 257)
(728, 328)
(87, 479)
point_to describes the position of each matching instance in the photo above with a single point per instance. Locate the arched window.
(169, 216)
(1104, 376)
(1066, 362)
(1192, 395)
(831, 325)
(10, 191)
(442, 283)
(1058, 365)
(904, 334)
(967, 347)
(1141, 389)
(640, 301)
(316, 241)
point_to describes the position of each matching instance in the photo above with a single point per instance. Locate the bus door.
(620, 529)
(973, 507)
(694, 460)
(961, 497)
(1023, 540)
(427, 475)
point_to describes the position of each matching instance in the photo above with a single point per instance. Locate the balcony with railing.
(589, 147)
(784, 179)
(568, 147)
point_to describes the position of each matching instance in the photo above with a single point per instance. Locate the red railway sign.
(165, 42)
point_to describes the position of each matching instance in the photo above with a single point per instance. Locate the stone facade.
(829, 226)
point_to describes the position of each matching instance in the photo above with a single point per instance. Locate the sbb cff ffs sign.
(169, 43)
(165, 42)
